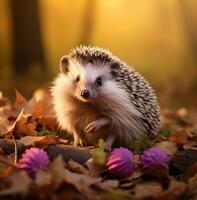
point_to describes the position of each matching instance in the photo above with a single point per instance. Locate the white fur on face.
(111, 99)
(90, 72)
(88, 75)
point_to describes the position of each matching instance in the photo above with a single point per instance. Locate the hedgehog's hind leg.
(109, 142)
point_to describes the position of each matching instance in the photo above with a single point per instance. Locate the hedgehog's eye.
(78, 78)
(98, 81)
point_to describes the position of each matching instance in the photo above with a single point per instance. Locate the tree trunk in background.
(27, 43)
(189, 20)
(88, 22)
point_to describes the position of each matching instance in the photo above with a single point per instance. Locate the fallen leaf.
(19, 184)
(39, 108)
(19, 97)
(108, 185)
(48, 121)
(175, 190)
(179, 137)
(147, 190)
(31, 140)
(26, 126)
(81, 182)
(99, 154)
(190, 172)
(117, 194)
(169, 147)
(57, 169)
(95, 169)
(40, 141)
(47, 140)
(43, 178)
(160, 172)
(76, 167)
(192, 188)
(11, 128)
(4, 172)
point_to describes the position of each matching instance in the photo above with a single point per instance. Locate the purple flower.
(153, 157)
(32, 160)
(120, 162)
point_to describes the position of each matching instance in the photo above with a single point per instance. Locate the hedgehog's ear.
(64, 62)
(115, 66)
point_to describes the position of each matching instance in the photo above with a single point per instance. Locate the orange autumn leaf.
(19, 97)
(25, 126)
(39, 108)
(48, 121)
(179, 137)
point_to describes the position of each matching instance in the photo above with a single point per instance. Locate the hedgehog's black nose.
(85, 93)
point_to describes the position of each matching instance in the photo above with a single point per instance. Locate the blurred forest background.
(158, 38)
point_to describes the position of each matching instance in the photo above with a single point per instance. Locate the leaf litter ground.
(81, 173)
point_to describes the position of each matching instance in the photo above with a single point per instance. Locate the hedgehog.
(96, 95)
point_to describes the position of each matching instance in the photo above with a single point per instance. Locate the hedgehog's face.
(89, 82)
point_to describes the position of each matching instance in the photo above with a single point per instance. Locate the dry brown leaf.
(169, 147)
(27, 106)
(6, 165)
(190, 172)
(26, 126)
(47, 140)
(31, 140)
(11, 128)
(44, 106)
(69, 194)
(136, 174)
(19, 97)
(192, 188)
(57, 169)
(19, 184)
(179, 137)
(175, 190)
(76, 167)
(108, 185)
(48, 121)
(5, 171)
(81, 182)
(41, 141)
(39, 108)
(147, 190)
(43, 178)
(160, 172)
(94, 168)
(4, 126)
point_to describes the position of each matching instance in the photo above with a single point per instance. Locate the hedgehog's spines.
(128, 99)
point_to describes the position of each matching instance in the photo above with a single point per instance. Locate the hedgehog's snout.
(85, 93)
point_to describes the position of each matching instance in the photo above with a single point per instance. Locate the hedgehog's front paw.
(92, 127)
(96, 125)
(79, 142)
